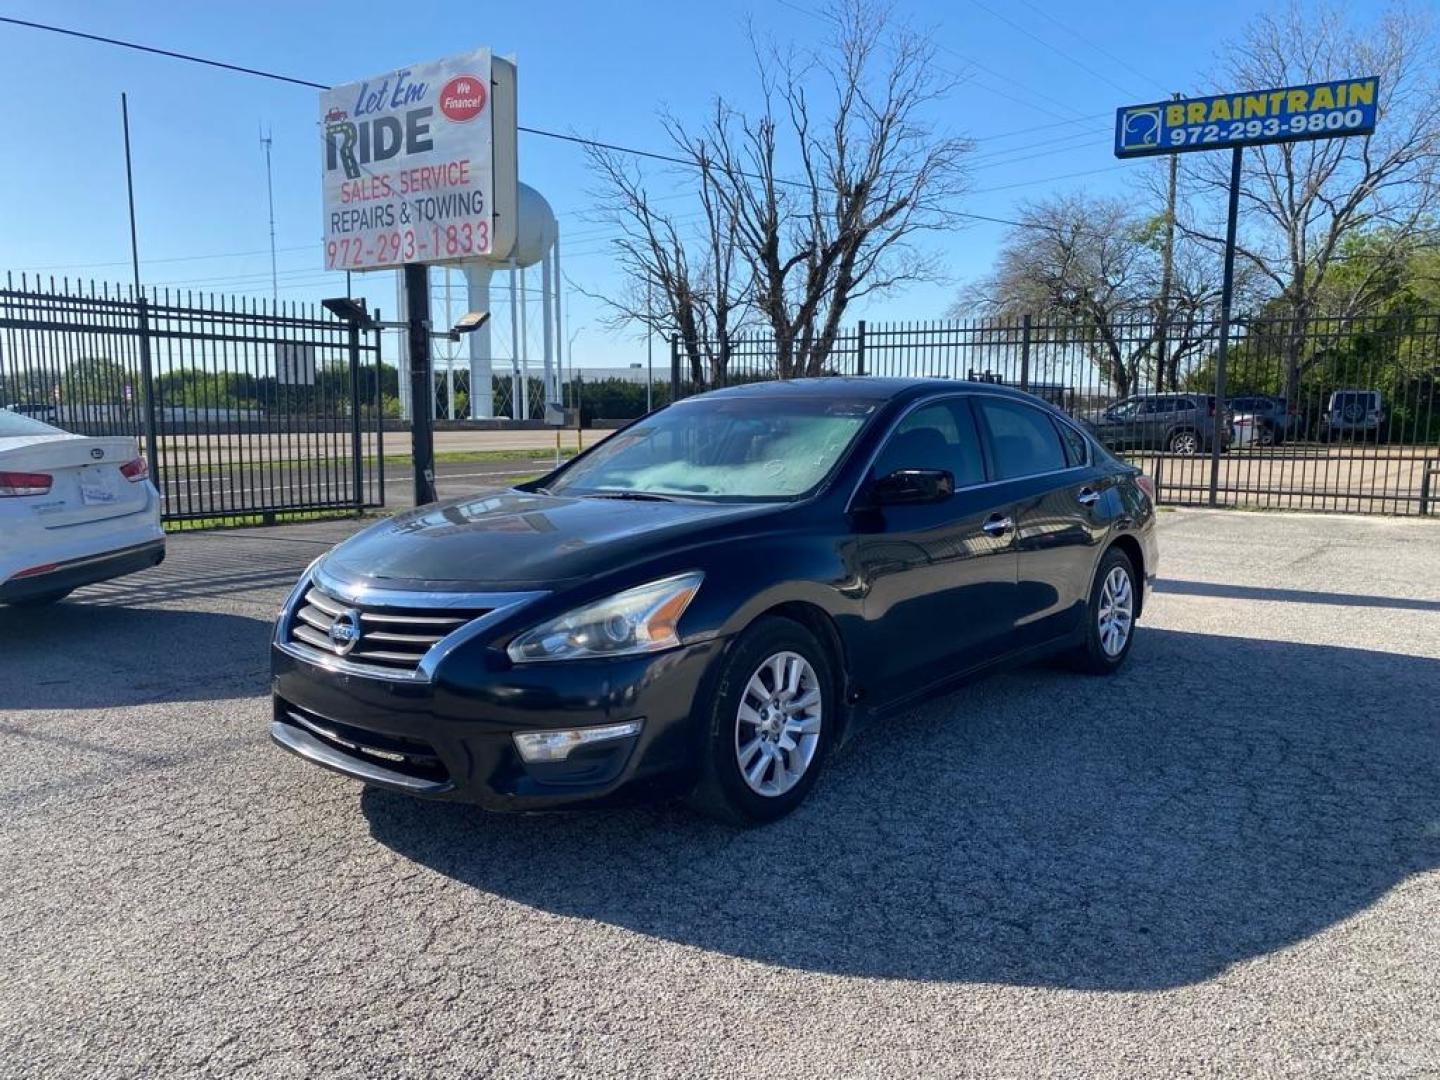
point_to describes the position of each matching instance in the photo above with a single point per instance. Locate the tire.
(1096, 655)
(1183, 442)
(724, 792)
(42, 599)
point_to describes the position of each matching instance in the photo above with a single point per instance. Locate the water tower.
(537, 241)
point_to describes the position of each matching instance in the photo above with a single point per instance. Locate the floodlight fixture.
(348, 309)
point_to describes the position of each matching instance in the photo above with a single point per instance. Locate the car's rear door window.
(1023, 439)
(1077, 449)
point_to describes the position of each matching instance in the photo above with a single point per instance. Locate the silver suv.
(1356, 413)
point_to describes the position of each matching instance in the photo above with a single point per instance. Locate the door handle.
(996, 525)
(1087, 496)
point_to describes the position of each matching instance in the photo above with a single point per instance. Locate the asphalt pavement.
(1225, 861)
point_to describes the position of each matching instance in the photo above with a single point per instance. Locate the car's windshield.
(13, 423)
(739, 448)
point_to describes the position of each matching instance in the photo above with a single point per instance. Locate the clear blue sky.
(600, 70)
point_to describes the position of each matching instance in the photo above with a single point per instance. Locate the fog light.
(538, 746)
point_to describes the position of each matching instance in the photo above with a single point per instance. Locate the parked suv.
(1277, 422)
(1359, 414)
(1179, 423)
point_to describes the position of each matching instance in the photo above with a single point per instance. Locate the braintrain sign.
(409, 166)
(1292, 113)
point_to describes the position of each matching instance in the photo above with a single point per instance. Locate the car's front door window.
(937, 436)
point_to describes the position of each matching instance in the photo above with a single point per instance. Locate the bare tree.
(679, 279)
(1097, 264)
(1300, 202)
(823, 193)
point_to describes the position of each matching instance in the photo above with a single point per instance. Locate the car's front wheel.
(770, 725)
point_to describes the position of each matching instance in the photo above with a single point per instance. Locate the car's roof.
(867, 388)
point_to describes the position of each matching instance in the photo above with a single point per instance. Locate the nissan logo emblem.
(344, 632)
(97, 453)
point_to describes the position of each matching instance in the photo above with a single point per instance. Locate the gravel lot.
(1224, 861)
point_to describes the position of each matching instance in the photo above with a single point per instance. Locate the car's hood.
(518, 540)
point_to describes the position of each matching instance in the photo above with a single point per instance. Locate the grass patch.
(280, 517)
(463, 457)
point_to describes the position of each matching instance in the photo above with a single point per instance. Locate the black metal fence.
(1319, 414)
(248, 412)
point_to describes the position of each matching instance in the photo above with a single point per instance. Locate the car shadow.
(1221, 799)
(90, 655)
(1293, 596)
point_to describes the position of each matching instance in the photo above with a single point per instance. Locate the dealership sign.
(409, 166)
(1289, 114)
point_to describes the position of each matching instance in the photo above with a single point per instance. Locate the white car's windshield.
(742, 448)
(13, 424)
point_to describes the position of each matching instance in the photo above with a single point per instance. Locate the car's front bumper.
(452, 737)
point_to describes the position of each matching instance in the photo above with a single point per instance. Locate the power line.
(575, 139)
(276, 76)
(1090, 44)
(1053, 48)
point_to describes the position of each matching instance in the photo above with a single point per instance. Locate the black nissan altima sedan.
(709, 600)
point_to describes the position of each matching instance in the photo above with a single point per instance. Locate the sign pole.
(422, 430)
(1227, 290)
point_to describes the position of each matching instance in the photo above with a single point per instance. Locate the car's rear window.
(1355, 397)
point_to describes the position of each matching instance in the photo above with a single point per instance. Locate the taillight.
(1212, 408)
(13, 484)
(135, 470)
(1146, 485)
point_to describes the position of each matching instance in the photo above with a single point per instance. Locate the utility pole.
(1167, 273)
(147, 371)
(270, 196)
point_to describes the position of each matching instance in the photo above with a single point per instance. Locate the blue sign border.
(1146, 130)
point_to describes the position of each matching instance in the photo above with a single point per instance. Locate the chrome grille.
(384, 637)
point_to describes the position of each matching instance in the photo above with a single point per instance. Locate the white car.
(73, 511)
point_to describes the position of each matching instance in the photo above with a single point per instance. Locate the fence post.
(357, 463)
(860, 349)
(1025, 352)
(380, 413)
(674, 367)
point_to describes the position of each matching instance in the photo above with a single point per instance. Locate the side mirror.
(912, 487)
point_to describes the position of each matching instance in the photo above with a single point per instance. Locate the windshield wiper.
(635, 496)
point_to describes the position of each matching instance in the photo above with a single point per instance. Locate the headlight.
(638, 620)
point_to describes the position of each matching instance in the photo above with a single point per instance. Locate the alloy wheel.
(1185, 443)
(1117, 611)
(777, 726)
